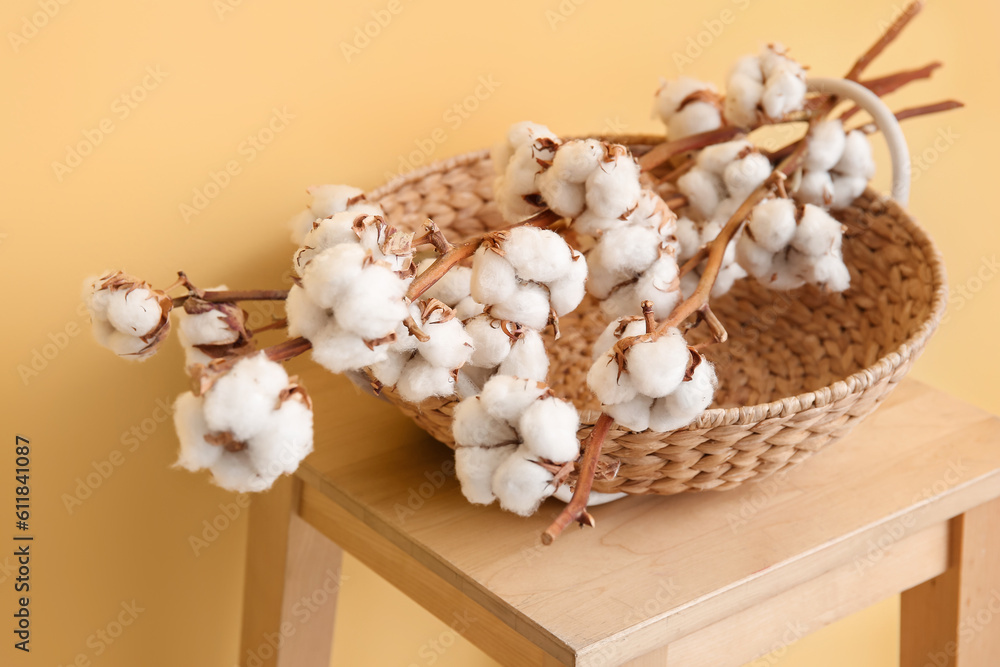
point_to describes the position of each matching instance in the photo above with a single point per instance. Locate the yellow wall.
(225, 68)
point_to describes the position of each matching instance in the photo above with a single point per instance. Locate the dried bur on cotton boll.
(210, 331)
(248, 424)
(513, 442)
(129, 317)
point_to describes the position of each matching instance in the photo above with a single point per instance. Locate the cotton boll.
(493, 278)
(136, 312)
(685, 405)
(519, 181)
(519, 134)
(830, 273)
(633, 415)
(565, 198)
(772, 224)
(576, 160)
(234, 472)
(728, 275)
(420, 380)
(611, 335)
(536, 254)
(592, 224)
(627, 251)
(703, 189)
(505, 397)
(331, 272)
(489, 342)
(373, 305)
(305, 317)
(329, 232)
(285, 439)
(658, 284)
(527, 358)
(339, 351)
(818, 232)
(694, 118)
(300, 224)
(857, 158)
(688, 238)
(242, 400)
(548, 429)
(454, 286)
(470, 380)
(566, 293)
(846, 188)
(472, 426)
(449, 345)
(672, 94)
(520, 484)
(743, 95)
(603, 379)
(475, 467)
(467, 308)
(715, 158)
(785, 271)
(208, 328)
(743, 176)
(656, 368)
(784, 92)
(755, 260)
(613, 188)
(189, 422)
(130, 347)
(389, 369)
(815, 187)
(528, 305)
(825, 145)
(330, 199)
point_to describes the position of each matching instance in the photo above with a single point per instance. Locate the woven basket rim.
(753, 414)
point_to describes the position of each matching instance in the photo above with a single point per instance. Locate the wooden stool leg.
(290, 586)
(953, 620)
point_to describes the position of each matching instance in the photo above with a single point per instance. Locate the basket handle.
(886, 122)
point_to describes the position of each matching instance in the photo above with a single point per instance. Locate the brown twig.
(576, 508)
(288, 349)
(277, 324)
(891, 83)
(660, 153)
(885, 40)
(925, 109)
(719, 332)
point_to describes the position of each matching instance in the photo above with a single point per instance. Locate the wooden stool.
(908, 503)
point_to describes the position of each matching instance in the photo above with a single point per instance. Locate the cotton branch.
(668, 149)
(885, 40)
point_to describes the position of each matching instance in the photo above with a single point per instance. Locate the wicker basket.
(800, 368)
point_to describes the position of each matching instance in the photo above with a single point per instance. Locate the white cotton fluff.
(728, 275)
(490, 344)
(625, 252)
(613, 188)
(565, 198)
(548, 430)
(744, 88)
(328, 232)
(785, 271)
(421, 380)
(657, 368)
(784, 82)
(717, 157)
(536, 254)
(449, 346)
(192, 355)
(331, 272)
(208, 328)
(688, 238)
(755, 260)
(685, 404)
(830, 273)
(815, 187)
(189, 422)
(566, 293)
(475, 467)
(373, 305)
(633, 414)
(519, 134)
(575, 160)
(300, 224)
(135, 312)
(608, 385)
(847, 188)
(744, 175)
(235, 472)
(592, 224)
(772, 224)
(242, 400)
(703, 189)
(527, 358)
(330, 199)
(470, 380)
(506, 397)
(473, 426)
(657, 284)
(493, 279)
(825, 145)
(285, 439)
(340, 351)
(389, 369)
(856, 159)
(633, 326)
(468, 308)
(818, 233)
(694, 118)
(305, 317)
(518, 181)
(528, 305)
(520, 484)
(122, 344)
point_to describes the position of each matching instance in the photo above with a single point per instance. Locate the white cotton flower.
(613, 188)
(468, 308)
(506, 397)
(519, 134)
(285, 439)
(657, 284)
(616, 330)
(830, 273)
(493, 279)
(716, 158)
(685, 404)
(537, 255)
(784, 82)
(566, 293)
(527, 358)
(632, 414)
(688, 238)
(818, 233)
(694, 118)
(305, 317)
(815, 187)
(682, 116)
(621, 254)
(575, 160)
(473, 426)
(421, 380)
(744, 175)
(520, 484)
(657, 367)
(490, 343)
(743, 93)
(825, 145)
(373, 304)
(196, 453)
(449, 346)
(856, 159)
(241, 401)
(389, 369)
(772, 224)
(331, 272)
(235, 472)
(528, 305)
(610, 384)
(328, 232)
(340, 351)
(703, 189)
(565, 198)
(519, 181)
(330, 199)
(592, 224)
(847, 188)
(475, 467)
(136, 312)
(548, 430)
(755, 260)
(470, 380)
(207, 328)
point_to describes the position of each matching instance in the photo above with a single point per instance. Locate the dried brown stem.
(277, 324)
(891, 83)
(434, 236)
(885, 40)
(229, 296)
(288, 349)
(660, 153)
(925, 109)
(719, 332)
(576, 508)
(649, 316)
